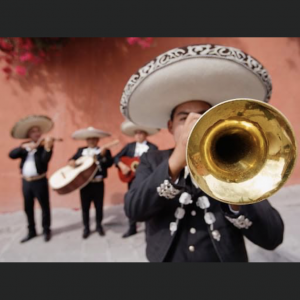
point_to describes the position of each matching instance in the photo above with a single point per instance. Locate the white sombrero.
(89, 132)
(129, 128)
(210, 73)
(20, 129)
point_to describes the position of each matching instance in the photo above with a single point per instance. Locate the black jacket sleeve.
(142, 201)
(267, 227)
(123, 152)
(77, 154)
(152, 147)
(46, 156)
(107, 160)
(17, 153)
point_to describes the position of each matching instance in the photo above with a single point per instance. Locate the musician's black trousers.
(132, 223)
(37, 189)
(93, 192)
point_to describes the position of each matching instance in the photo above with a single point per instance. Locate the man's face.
(34, 133)
(92, 142)
(140, 136)
(181, 113)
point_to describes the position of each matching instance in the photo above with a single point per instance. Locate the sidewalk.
(67, 244)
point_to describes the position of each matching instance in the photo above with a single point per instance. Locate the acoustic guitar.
(68, 179)
(132, 163)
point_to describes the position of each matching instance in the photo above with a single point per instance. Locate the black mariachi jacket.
(41, 157)
(143, 203)
(129, 150)
(105, 161)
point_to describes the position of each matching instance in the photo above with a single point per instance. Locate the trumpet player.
(183, 224)
(35, 157)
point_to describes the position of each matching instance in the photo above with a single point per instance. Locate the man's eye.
(183, 119)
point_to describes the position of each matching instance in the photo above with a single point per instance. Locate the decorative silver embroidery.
(179, 213)
(185, 198)
(216, 235)
(167, 190)
(173, 227)
(203, 202)
(241, 222)
(208, 50)
(209, 218)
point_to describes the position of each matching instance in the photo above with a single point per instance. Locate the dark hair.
(174, 109)
(172, 113)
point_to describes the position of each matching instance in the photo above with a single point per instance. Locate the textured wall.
(83, 86)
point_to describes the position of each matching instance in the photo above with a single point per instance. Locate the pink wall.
(83, 86)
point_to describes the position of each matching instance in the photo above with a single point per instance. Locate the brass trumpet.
(241, 151)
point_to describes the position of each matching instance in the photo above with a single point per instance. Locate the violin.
(40, 142)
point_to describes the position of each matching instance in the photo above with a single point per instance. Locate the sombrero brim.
(84, 134)
(202, 72)
(129, 128)
(20, 129)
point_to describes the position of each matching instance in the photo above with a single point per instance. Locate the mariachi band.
(199, 199)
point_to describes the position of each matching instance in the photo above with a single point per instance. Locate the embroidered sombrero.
(21, 128)
(129, 128)
(89, 132)
(211, 73)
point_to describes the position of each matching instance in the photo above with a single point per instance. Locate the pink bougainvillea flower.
(21, 70)
(145, 43)
(5, 45)
(8, 60)
(26, 44)
(37, 60)
(42, 53)
(27, 56)
(133, 40)
(7, 70)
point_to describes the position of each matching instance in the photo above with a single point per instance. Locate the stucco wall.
(83, 86)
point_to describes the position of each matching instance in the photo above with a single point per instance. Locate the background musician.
(134, 149)
(94, 190)
(35, 156)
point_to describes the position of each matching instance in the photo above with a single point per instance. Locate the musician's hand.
(103, 151)
(177, 160)
(48, 143)
(124, 168)
(235, 207)
(72, 163)
(29, 146)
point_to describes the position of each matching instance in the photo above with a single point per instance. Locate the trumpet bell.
(241, 151)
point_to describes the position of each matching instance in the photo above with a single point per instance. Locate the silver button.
(185, 198)
(193, 213)
(203, 202)
(216, 235)
(191, 248)
(179, 213)
(192, 230)
(209, 218)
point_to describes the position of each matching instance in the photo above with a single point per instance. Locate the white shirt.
(140, 148)
(29, 167)
(91, 152)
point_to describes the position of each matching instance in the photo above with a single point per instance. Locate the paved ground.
(68, 246)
